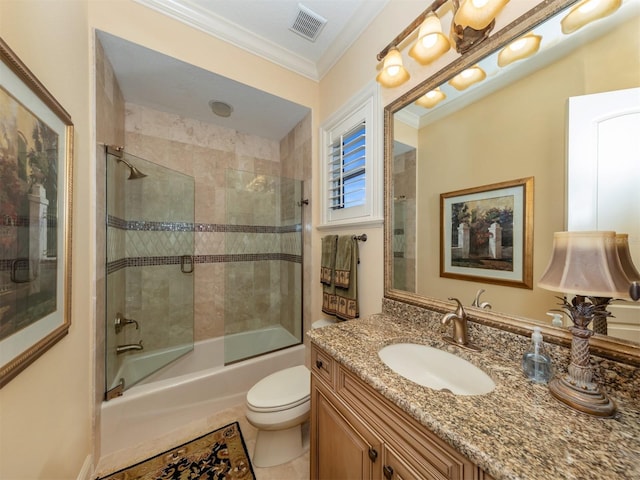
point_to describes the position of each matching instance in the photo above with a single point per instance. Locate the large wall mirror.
(512, 125)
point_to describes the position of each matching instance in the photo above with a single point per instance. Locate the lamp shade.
(477, 14)
(431, 98)
(431, 43)
(521, 48)
(622, 244)
(467, 77)
(585, 263)
(393, 72)
(587, 11)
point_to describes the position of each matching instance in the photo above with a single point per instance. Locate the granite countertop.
(518, 431)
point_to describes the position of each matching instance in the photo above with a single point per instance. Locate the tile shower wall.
(269, 236)
(211, 154)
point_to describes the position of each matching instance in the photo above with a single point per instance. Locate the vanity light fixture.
(472, 22)
(393, 72)
(519, 49)
(467, 77)
(586, 265)
(431, 98)
(586, 12)
(477, 14)
(431, 43)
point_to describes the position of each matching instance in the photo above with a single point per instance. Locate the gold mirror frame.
(611, 348)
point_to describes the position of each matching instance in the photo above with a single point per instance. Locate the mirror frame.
(610, 348)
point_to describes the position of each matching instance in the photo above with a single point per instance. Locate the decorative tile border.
(175, 260)
(179, 228)
(197, 227)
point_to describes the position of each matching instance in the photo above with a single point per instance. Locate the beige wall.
(355, 69)
(46, 412)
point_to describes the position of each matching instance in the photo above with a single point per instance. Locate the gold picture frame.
(36, 167)
(486, 233)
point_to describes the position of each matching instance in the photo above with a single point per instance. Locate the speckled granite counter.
(518, 431)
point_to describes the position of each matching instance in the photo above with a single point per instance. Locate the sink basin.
(435, 368)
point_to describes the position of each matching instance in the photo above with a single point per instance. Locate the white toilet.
(278, 406)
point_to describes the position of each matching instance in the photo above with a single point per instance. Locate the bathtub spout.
(128, 347)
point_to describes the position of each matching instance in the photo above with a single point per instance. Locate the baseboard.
(87, 469)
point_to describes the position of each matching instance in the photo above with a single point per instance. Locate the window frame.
(364, 106)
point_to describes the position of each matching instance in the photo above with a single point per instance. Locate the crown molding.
(217, 26)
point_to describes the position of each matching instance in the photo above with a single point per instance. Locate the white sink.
(435, 368)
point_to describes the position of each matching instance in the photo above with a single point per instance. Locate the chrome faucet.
(459, 319)
(478, 303)
(128, 347)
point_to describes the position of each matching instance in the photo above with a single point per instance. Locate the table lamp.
(586, 265)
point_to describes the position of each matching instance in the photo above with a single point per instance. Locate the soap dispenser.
(536, 363)
(557, 319)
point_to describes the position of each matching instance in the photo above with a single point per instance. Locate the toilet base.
(274, 447)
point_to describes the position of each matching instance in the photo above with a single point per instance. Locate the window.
(347, 169)
(351, 162)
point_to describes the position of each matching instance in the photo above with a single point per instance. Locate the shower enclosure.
(150, 285)
(246, 267)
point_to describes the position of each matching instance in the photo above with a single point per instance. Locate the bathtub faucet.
(121, 322)
(128, 347)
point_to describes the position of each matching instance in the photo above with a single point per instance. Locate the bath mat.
(221, 454)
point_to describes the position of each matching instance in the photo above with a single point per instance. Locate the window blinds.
(347, 175)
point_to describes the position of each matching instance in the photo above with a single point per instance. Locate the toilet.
(278, 406)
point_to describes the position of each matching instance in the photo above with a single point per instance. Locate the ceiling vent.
(307, 23)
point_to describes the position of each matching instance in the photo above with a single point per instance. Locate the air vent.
(307, 23)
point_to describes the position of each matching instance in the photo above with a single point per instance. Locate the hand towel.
(343, 261)
(328, 259)
(327, 274)
(347, 261)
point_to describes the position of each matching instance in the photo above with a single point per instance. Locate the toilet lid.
(281, 390)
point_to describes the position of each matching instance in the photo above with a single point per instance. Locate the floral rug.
(221, 454)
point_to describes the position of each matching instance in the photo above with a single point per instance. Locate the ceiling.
(262, 27)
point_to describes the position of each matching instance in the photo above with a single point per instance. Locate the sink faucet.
(478, 303)
(459, 319)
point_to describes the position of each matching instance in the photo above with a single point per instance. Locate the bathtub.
(193, 387)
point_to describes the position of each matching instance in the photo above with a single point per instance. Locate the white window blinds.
(347, 168)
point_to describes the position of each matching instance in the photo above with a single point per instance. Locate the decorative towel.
(343, 261)
(346, 267)
(328, 260)
(327, 274)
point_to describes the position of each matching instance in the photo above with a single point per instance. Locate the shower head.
(135, 173)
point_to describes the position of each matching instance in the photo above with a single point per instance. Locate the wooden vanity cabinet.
(356, 433)
(345, 448)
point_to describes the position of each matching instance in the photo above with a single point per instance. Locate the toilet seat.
(282, 390)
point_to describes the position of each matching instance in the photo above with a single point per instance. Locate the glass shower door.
(150, 263)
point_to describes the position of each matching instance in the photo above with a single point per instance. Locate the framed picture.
(486, 234)
(36, 142)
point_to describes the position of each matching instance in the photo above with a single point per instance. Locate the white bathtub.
(194, 387)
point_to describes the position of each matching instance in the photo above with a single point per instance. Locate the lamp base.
(589, 400)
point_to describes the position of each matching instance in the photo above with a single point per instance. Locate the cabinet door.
(395, 467)
(342, 447)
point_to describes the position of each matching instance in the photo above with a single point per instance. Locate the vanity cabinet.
(356, 433)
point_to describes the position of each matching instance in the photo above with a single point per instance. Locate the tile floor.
(297, 469)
